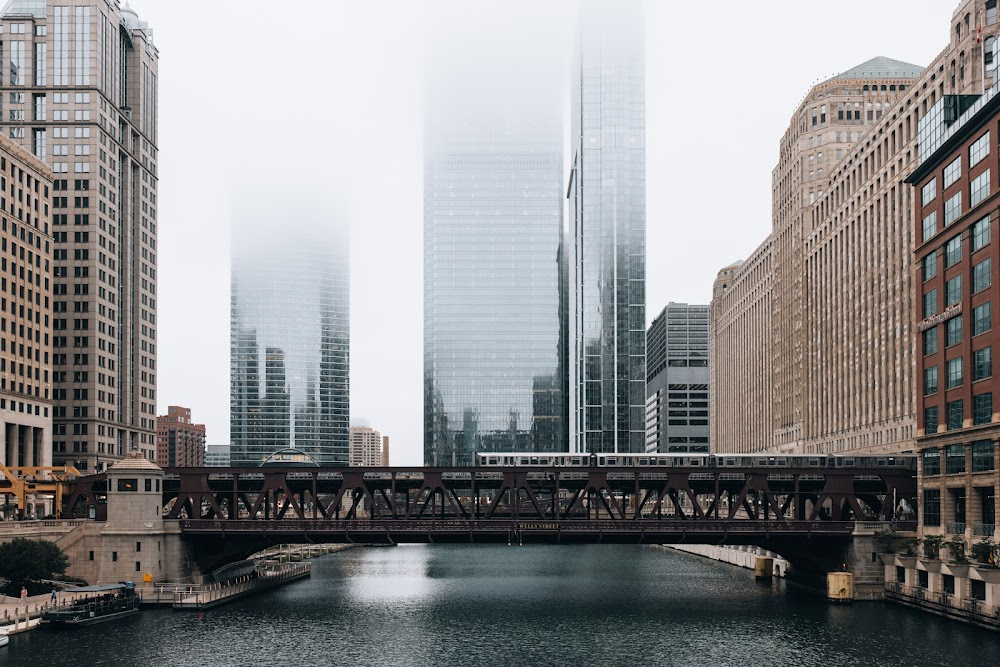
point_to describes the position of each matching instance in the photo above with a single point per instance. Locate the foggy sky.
(330, 93)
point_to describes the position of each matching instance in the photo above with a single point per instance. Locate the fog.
(327, 99)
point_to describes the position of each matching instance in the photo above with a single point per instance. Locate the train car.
(689, 460)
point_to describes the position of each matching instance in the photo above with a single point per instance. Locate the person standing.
(24, 596)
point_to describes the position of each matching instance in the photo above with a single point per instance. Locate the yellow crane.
(24, 481)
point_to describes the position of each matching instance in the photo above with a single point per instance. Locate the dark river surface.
(531, 605)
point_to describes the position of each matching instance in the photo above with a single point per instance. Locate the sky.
(327, 95)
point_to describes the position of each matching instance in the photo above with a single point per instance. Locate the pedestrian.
(54, 596)
(24, 596)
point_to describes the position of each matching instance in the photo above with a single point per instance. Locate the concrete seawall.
(741, 556)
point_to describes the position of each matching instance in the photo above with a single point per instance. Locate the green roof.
(882, 68)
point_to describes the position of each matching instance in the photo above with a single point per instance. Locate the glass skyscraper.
(494, 364)
(607, 242)
(290, 348)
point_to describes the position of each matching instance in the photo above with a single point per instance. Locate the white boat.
(4, 639)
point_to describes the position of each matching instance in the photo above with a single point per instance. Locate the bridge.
(808, 515)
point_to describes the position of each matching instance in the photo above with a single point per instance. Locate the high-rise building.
(25, 318)
(369, 448)
(217, 456)
(79, 90)
(493, 202)
(813, 336)
(606, 245)
(180, 443)
(677, 394)
(289, 345)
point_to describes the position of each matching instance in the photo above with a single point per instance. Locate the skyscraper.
(289, 344)
(607, 235)
(79, 89)
(677, 380)
(493, 201)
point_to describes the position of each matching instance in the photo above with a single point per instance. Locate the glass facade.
(607, 235)
(494, 317)
(290, 351)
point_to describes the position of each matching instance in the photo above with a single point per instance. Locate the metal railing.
(956, 528)
(983, 529)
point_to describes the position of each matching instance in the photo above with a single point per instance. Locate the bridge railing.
(368, 526)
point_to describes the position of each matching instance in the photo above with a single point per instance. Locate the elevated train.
(675, 460)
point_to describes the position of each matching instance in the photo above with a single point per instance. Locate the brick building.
(179, 442)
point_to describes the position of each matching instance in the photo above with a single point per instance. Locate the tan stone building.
(368, 448)
(179, 442)
(79, 91)
(840, 342)
(25, 308)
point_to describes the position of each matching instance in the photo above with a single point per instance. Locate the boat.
(4, 639)
(98, 604)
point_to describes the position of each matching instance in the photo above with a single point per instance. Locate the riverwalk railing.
(944, 599)
(27, 527)
(211, 595)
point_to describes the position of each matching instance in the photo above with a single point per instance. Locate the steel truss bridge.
(227, 512)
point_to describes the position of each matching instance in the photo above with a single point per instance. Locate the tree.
(26, 562)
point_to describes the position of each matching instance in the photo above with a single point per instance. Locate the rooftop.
(134, 461)
(881, 67)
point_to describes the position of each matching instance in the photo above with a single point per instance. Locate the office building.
(606, 243)
(958, 424)
(677, 394)
(369, 448)
(818, 322)
(180, 443)
(217, 456)
(25, 313)
(493, 202)
(289, 341)
(79, 90)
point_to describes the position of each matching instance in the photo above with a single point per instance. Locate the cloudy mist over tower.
(289, 340)
(493, 219)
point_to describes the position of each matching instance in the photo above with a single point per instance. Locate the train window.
(644, 462)
(492, 461)
(782, 462)
(730, 461)
(881, 461)
(813, 461)
(533, 461)
(849, 462)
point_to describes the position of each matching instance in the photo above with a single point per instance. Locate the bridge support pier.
(863, 562)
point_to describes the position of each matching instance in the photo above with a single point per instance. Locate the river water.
(531, 605)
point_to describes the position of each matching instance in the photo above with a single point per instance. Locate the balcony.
(955, 528)
(983, 529)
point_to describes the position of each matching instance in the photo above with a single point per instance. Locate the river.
(531, 605)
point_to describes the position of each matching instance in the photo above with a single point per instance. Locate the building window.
(952, 172)
(981, 276)
(953, 290)
(955, 414)
(981, 234)
(982, 408)
(982, 319)
(954, 373)
(982, 456)
(979, 150)
(954, 459)
(930, 266)
(953, 209)
(932, 507)
(931, 420)
(930, 303)
(928, 192)
(979, 189)
(930, 225)
(953, 331)
(932, 461)
(982, 363)
(930, 341)
(953, 252)
(930, 380)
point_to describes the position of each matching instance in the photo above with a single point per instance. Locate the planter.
(931, 565)
(988, 573)
(959, 569)
(905, 561)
